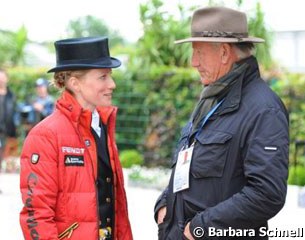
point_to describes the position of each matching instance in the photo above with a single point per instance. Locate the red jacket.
(57, 193)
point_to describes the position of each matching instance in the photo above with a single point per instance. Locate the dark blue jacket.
(239, 166)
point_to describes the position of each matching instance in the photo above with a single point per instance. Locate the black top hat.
(83, 53)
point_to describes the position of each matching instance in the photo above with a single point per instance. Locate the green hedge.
(131, 158)
(22, 81)
(297, 175)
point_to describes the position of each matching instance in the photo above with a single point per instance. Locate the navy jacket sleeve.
(161, 202)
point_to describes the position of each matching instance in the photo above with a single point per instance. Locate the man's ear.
(226, 52)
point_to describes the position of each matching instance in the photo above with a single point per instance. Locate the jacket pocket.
(210, 154)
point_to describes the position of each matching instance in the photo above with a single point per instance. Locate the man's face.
(42, 91)
(207, 59)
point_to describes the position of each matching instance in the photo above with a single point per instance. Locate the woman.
(71, 178)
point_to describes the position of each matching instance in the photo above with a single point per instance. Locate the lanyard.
(206, 118)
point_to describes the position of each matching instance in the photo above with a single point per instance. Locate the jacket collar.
(69, 106)
(233, 98)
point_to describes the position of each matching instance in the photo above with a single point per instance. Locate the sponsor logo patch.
(87, 142)
(73, 150)
(35, 158)
(74, 160)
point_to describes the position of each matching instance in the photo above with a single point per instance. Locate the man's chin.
(204, 83)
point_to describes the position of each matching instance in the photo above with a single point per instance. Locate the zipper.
(96, 192)
(94, 180)
(110, 132)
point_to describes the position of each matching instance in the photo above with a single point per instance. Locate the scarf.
(214, 92)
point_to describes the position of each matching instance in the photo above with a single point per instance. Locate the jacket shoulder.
(55, 123)
(258, 95)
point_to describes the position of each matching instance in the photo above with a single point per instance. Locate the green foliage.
(171, 93)
(131, 158)
(290, 87)
(22, 81)
(161, 29)
(21, 39)
(6, 46)
(132, 115)
(137, 175)
(257, 28)
(146, 177)
(91, 26)
(297, 175)
(12, 45)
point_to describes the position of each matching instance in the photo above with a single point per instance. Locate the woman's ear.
(73, 84)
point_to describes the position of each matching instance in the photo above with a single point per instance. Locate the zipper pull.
(68, 232)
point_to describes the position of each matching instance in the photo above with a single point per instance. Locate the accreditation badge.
(182, 171)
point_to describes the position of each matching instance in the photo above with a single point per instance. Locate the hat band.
(102, 60)
(222, 34)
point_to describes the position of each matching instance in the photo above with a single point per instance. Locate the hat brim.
(113, 63)
(220, 40)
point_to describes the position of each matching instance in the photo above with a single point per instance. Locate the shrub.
(130, 158)
(297, 175)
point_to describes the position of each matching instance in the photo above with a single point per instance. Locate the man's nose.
(195, 59)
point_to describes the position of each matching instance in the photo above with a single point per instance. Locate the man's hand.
(38, 107)
(161, 215)
(187, 232)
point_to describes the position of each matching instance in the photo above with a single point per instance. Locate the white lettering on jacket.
(73, 150)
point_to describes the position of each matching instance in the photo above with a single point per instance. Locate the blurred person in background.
(230, 167)
(71, 179)
(39, 106)
(7, 115)
(43, 103)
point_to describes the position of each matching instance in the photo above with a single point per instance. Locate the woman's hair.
(60, 78)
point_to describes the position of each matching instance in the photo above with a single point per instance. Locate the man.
(236, 141)
(40, 106)
(43, 103)
(7, 112)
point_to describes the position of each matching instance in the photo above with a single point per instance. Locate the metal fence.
(132, 119)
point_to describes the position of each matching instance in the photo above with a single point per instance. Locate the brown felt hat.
(219, 24)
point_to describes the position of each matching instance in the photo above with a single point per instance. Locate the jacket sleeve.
(161, 202)
(265, 161)
(39, 185)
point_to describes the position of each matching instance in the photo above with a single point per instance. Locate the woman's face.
(95, 88)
